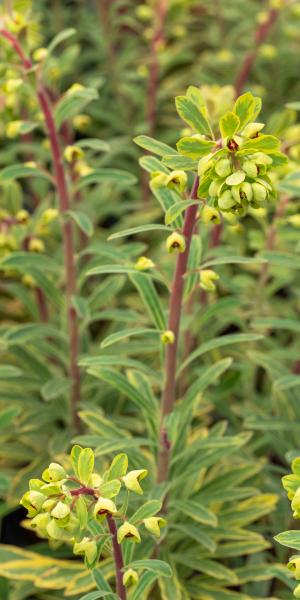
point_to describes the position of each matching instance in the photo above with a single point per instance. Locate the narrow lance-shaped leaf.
(152, 145)
(148, 293)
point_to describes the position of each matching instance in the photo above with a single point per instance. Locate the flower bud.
(294, 220)
(242, 192)
(177, 179)
(154, 525)
(236, 178)
(49, 504)
(61, 513)
(22, 216)
(250, 168)
(294, 566)
(259, 192)
(207, 278)
(55, 472)
(130, 578)
(167, 337)
(128, 532)
(81, 122)
(49, 215)
(86, 548)
(132, 479)
(104, 507)
(223, 167)
(143, 263)
(210, 215)
(175, 243)
(28, 281)
(261, 158)
(54, 531)
(226, 200)
(13, 129)
(11, 85)
(33, 502)
(36, 245)
(40, 522)
(252, 129)
(40, 54)
(73, 153)
(215, 187)
(159, 179)
(82, 168)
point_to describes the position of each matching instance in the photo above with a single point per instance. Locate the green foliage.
(291, 539)
(111, 71)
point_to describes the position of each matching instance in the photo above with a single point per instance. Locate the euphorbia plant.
(220, 171)
(231, 164)
(90, 511)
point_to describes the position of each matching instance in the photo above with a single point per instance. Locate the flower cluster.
(233, 158)
(235, 170)
(61, 507)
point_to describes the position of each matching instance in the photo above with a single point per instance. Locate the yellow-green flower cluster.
(232, 157)
(61, 506)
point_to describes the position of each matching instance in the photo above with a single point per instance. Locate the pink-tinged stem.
(85, 491)
(260, 35)
(26, 62)
(67, 230)
(175, 309)
(118, 558)
(42, 304)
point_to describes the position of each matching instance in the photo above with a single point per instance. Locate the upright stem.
(67, 230)
(118, 558)
(175, 308)
(69, 253)
(42, 304)
(260, 35)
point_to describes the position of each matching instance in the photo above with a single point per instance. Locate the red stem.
(83, 490)
(67, 230)
(69, 259)
(175, 308)
(260, 35)
(42, 304)
(27, 64)
(118, 558)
